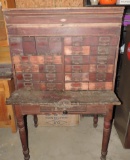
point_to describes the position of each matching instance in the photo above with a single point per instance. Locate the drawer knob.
(65, 112)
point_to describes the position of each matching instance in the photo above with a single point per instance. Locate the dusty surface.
(82, 142)
(23, 96)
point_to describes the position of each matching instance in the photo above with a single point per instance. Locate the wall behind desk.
(48, 3)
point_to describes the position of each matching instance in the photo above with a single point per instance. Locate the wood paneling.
(6, 111)
(48, 3)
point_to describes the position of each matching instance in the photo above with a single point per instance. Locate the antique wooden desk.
(64, 61)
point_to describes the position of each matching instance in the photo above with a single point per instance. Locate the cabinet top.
(76, 10)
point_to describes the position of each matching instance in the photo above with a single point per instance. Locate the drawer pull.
(65, 112)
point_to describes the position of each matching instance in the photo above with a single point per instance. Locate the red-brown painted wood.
(53, 53)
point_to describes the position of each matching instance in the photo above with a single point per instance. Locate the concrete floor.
(82, 142)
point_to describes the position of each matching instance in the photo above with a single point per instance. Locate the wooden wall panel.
(3, 35)
(8, 3)
(48, 3)
(3, 109)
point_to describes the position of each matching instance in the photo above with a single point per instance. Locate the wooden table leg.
(95, 120)
(22, 131)
(35, 118)
(106, 132)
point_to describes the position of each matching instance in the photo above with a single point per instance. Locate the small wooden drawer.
(100, 85)
(72, 109)
(29, 46)
(53, 86)
(51, 68)
(109, 68)
(39, 86)
(26, 68)
(76, 50)
(73, 41)
(71, 77)
(36, 59)
(49, 45)
(53, 59)
(76, 86)
(76, 68)
(100, 76)
(76, 60)
(40, 77)
(16, 45)
(54, 77)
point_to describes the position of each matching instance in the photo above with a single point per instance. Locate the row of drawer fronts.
(68, 41)
(39, 77)
(104, 59)
(37, 59)
(69, 77)
(89, 50)
(75, 60)
(72, 50)
(89, 68)
(55, 45)
(67, 86)
(67, 68)
(91, 77)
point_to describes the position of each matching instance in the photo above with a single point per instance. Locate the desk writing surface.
(23, 96)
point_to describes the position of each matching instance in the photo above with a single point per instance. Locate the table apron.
(39, 110)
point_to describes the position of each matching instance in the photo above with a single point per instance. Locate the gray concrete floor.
(82, 142)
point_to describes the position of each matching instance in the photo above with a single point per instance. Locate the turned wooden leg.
(22, 132)
(106, 132)
(95, 120)
(35, 120)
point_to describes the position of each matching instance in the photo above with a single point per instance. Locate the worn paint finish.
(64, 64)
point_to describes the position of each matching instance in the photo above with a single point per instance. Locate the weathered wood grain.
(64, 61)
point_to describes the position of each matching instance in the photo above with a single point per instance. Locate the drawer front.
(36, 59)
(49, 45)
(73, 41)
(52, 86)
(16, 47)
(88, 109)
(76, 50)
(100, 76)
(109, 68)
(102, 59)
(40, 77)
(100, 85)
(26, 68)
(39, 85)
(51, 68)
(76, 86)
(76, 68)
(104, 40)
(52, 77)
(76, 77)
(53, 59)
(102, 50)
(97, 40)
(29, 46)
(75, 109)
(76, 60)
